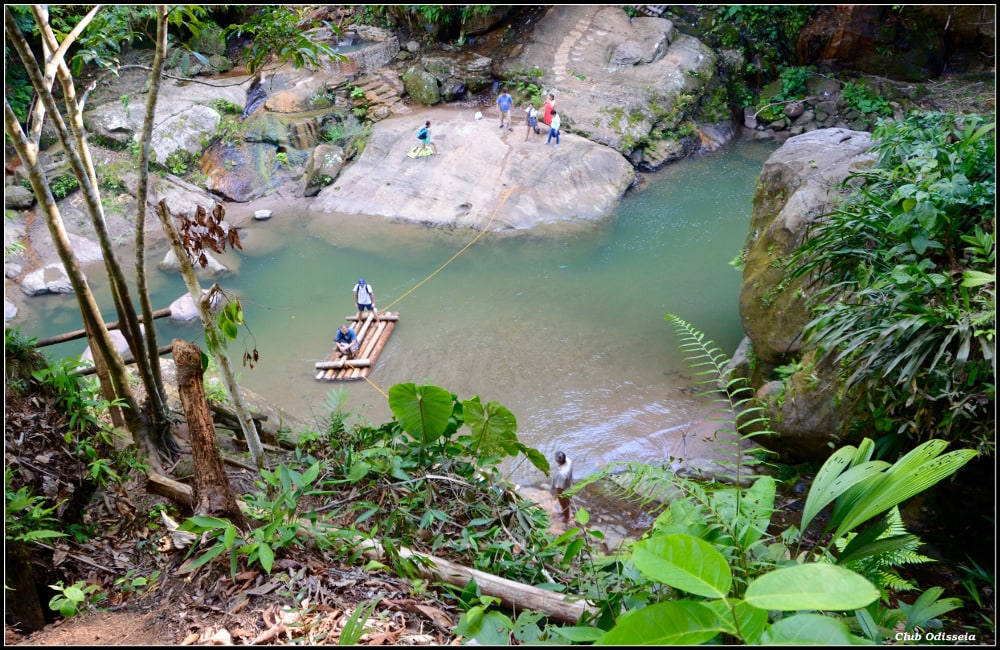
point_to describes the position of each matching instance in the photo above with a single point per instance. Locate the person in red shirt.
(550, 105)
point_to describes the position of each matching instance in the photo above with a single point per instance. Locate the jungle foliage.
(905, 281)
(713, 569)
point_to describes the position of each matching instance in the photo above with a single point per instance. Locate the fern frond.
(892, 548)
(743, 415)
(640, 483)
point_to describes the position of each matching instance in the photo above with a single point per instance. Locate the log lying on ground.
(226, 415)
(513, 595)
(170, 488)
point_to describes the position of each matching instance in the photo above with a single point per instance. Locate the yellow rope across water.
(482, 233)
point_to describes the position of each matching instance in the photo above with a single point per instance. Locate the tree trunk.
(114, 378)
(141, 200)
(78, 154)
(212, 336)
(21, 590)
(213, 495)
(28, 150)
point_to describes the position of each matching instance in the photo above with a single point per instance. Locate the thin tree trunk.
(213, 496)
(28, 150)
(141, 199)
(83, 168)
(212, 336)
(78, 154)
(114, 378)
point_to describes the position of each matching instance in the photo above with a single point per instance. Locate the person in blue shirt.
(346, 341)
(504, 103)
(424, 135)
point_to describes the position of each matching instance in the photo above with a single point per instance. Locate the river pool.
(566, 329)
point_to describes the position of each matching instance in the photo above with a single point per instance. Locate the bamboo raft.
(372, 337)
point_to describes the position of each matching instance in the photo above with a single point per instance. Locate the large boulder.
(16, 197)
(422, 86)
(798, 184)
(48, 279)
(627, 82)
(182, 128)
(484, 178)
(181, 197)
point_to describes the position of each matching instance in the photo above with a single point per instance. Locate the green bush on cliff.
(906, 266)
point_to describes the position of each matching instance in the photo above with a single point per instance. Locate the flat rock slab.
(484, 177)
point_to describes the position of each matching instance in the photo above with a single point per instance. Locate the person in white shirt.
(531, 119)
(561, 481)
(554, 130)
(364, 299)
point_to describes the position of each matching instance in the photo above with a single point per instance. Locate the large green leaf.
(422, 411)
(811, 629)
(679, 622)
(838, 462)
(821, 495)
(927, 607)
(493, 426)
(485, 627)
(739, 619)
(685, 563)
(910, 475)
(756, 510)
(811, 586)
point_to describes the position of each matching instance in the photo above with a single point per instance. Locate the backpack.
(422, 133)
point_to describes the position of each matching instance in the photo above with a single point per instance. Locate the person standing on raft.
(364, 299)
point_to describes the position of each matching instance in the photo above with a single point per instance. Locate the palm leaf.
(928, 607)
(913, 473)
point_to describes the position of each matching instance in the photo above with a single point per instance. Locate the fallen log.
(170, 488)
(79, 334)
(514, 595)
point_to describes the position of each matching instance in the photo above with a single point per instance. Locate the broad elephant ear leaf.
(494, 432)
(422, 411)
(493, 426)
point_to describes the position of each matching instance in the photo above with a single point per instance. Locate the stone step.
(651, 10)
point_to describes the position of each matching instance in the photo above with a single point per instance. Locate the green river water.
(566, 329)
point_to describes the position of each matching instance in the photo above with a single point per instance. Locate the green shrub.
(857, 96)
(226, 107)
(63, 186)
(905, 275)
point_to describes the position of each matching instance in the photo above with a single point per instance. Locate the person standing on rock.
(504, 104)
(364, 299)
(548, 109)
(531, 119)
(562, 481)
(424, 135)
(554, 129)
